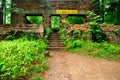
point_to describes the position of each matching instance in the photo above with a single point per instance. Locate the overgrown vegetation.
(108, 10)
(117, 31)
(98, 47)
(21, 57)
(62, 33)
(11, 35)
(93, 49)
(75, 20)
(94, 24)
(47, 33)
(55, 22)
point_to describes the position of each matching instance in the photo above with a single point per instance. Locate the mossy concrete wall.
(109, 33)
(113, 37)
(23, 7)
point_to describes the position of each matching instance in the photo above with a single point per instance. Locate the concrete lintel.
(80, 12)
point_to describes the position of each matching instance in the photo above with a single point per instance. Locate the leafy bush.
(94, 24)
(110, 17)
(106, 50)
(62, 33)
(31, 36)
(103, 49)
(12, 35)
(73, 44)
(17, 56)
(117, 31)
(38, 78)
(47, 33)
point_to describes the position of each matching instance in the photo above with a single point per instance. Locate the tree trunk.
(102, 9)
(1, 12)
(118, 13)
(3, 8)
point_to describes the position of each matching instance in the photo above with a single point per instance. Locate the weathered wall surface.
(17, 30)
(38, 5)
(110, 35)
(50, 7)
(80, 5)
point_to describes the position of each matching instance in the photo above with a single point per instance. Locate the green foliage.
(102, 50)
(110, 17)
(11, 35)
(75, 20)
(93, 17)
(106, 50)
(38, 78)
(94, 20)
(117, 31)
(73, 44)
(55, 20)
(35, 19)
(74, 34)
(18, 55)
(77, 43)
(47, 33)
(30, 36)
(106, 24)
(8, 35)
(62, 33)
(108, 9)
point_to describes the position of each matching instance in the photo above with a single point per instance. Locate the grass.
(102, 50)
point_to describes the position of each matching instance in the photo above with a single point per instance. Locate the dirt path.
(66, 66)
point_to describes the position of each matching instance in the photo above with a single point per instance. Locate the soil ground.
(66, 66)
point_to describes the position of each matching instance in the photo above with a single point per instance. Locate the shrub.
(94, 49)
(62, 33)
(117, 31)
(47, 33)
(18, 55)
(94, 24)
(73, 44)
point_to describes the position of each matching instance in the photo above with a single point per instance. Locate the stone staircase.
(54, 41)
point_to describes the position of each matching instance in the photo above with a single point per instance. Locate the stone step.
(55, 48)
(54, 41)
(60, 45)
(55, 44)
(54, 34)
(53, 38)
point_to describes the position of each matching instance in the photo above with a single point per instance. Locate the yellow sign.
(66, 11)
(63, 21)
